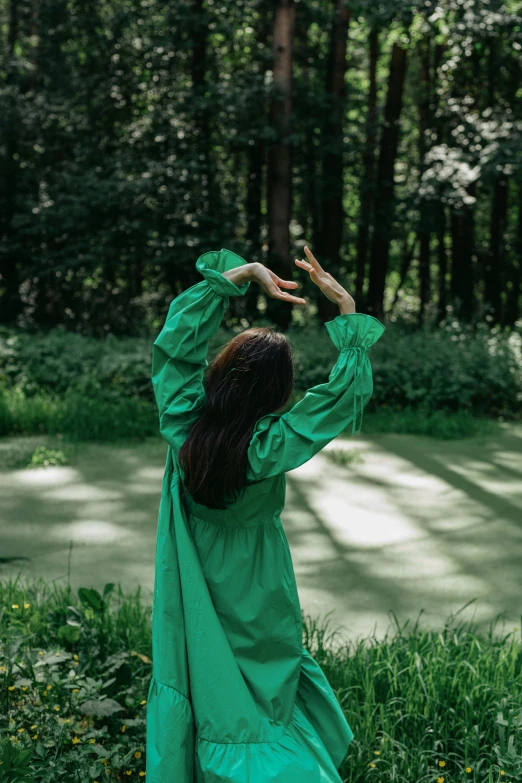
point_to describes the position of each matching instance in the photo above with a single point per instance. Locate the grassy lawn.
(75, 666)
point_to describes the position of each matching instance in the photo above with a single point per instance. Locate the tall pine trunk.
(442, 258)
(493, 274)
(279, 180)
(462, 251)
(384, 197)
(10, 301)
(423, 229)
(332, 213)
(367, 188)
(512, 309)
(203, 142)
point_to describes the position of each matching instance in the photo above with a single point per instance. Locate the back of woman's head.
(252, 375)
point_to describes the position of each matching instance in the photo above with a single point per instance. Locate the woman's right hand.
(327, 283)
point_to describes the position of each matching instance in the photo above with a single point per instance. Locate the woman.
(234, 696)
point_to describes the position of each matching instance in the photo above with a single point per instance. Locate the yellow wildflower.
(128, 772)
(76, 690)
(56, 708)
(468, 769)
(137, 755)
(502, 772)
(24, 687)
(34, 726)
(377, 752)
(20, 731)
(49, 687)
(26, 606)
(3, 669)
(442, 763)
(35, 736)
(440, 780)
(75, 740)
(41, 652)
(75, 657)
(144, 701)
(123, 728)
(15, 606)
(92, 741)
(10, 688)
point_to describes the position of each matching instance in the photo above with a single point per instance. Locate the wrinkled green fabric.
(234, 697)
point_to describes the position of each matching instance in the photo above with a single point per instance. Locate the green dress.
(234, 696)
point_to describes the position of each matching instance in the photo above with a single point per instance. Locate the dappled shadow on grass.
(106, 503)
(416, 524)
(419, 524)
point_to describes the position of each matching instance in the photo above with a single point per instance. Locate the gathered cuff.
(212, 265)
(354, 330)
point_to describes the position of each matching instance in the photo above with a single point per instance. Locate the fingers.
(286, 283)
(303, 264)
(289, 298)
(275, 293)
(313, 260)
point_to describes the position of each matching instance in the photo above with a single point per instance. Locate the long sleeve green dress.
(234, 696)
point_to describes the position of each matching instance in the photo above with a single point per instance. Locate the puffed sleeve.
(179, 353)
(282, 442)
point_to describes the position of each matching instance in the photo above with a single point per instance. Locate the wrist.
(346, 305)
(240, 274)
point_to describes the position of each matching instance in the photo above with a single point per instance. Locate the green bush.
(96, 416)
(453, 368)
(74, 674)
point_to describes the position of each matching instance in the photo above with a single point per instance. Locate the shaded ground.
(413, 524)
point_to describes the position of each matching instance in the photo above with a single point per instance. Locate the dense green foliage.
(59, 382)
(75, 668)
(135, 136)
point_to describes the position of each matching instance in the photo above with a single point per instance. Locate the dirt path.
(412, 524)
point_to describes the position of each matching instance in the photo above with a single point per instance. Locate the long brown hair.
(251, 376)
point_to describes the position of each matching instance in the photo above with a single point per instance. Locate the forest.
(137, 135)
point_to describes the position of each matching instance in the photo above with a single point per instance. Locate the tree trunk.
(512, 309)
(423, 229)
(332, 213)
(367, 183)
(10, 302)
(309, 200)
(442, 258)
(279, 181)
(493, 273)
(462, 250)
(199, 84)
(383, 222)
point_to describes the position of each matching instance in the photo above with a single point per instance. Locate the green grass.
(102, 416)
(435, 424)
(109, 417)
(423, 705)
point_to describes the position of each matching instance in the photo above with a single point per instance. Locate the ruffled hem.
(299, 756)
(314, 743)
(170, 735)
